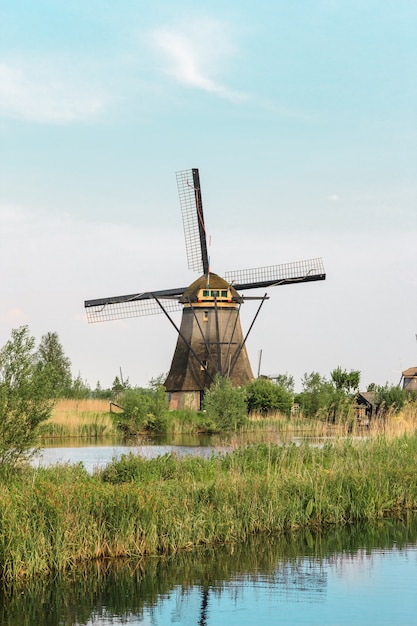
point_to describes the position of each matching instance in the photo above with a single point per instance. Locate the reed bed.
(51, 519)
(79, 418)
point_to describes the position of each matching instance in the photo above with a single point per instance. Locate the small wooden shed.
(366, 407)
(409, 378)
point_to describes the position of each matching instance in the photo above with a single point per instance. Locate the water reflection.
(96, 457)
(355, 575)
(99, 452)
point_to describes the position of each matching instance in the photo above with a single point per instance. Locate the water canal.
(355, 575)
(358, 576)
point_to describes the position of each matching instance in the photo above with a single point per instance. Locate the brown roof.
(412, 371)
(369, 396)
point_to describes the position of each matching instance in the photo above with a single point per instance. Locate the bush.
(263, 396)
(225, 406)
(143, 410)
(391, 397)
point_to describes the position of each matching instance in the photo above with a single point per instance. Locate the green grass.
(51, 519)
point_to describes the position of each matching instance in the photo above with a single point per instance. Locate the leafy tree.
(56, 367)
(225, 405)
(285, 381)
(347, 382)
(315, 398)
(263, 396)
(331, 400)
(24, 398)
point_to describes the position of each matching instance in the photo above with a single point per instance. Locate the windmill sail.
(134, 305)
(275, 275)
(189, 190)
(210, 338)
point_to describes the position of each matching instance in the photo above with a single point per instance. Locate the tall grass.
(79, 418)
(53, 518)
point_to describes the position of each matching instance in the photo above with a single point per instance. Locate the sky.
(302, 120)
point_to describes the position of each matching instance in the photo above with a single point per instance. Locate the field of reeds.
(92, 418)
(51, 519)
(79, 418)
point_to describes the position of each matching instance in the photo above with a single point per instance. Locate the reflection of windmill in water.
(210, 339)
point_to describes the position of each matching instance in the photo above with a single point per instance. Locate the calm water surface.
(357, 576)
(97, 454)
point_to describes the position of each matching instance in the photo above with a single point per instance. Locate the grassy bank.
(51, 519)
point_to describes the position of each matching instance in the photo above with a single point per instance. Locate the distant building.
(409, 378)
(366, 407)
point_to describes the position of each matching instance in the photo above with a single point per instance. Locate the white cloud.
(196, 52)
(333, 197)
(43, 92)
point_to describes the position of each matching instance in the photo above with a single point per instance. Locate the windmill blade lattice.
(275, 275)
(135, 305)
(189, 191)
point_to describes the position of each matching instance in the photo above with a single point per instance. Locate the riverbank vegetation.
(40, 398)
(51, 519)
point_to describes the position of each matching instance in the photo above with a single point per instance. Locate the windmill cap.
(215, 282)
(412, 371)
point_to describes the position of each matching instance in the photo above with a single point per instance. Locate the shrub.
(264, 396)
(143, 410)
(225, 405)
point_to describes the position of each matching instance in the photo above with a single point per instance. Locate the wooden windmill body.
(210, 342)
(210, 338)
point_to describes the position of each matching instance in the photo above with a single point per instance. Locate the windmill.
(210, 338)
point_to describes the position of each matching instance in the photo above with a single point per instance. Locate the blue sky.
(302, 119)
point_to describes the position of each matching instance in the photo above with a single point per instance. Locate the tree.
(347, 382)
(316, 396)
(80, 388)
(263, 396)
(24, 398)
(55, 365)
(284, 380)
(225, 405)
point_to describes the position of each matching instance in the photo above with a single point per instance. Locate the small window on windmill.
(215, 293)
(206, 293)
(203, 365)
(205, 316)
(224, 293)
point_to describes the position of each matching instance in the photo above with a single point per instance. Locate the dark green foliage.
(100, 393)
(225, 405)
(79, 389)
(391, 397)
(263, 396)
(143, 410)
(56, 367)
(346, 381)
(24, 398)
(285, 381)
(316, 395)
(329, 400)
